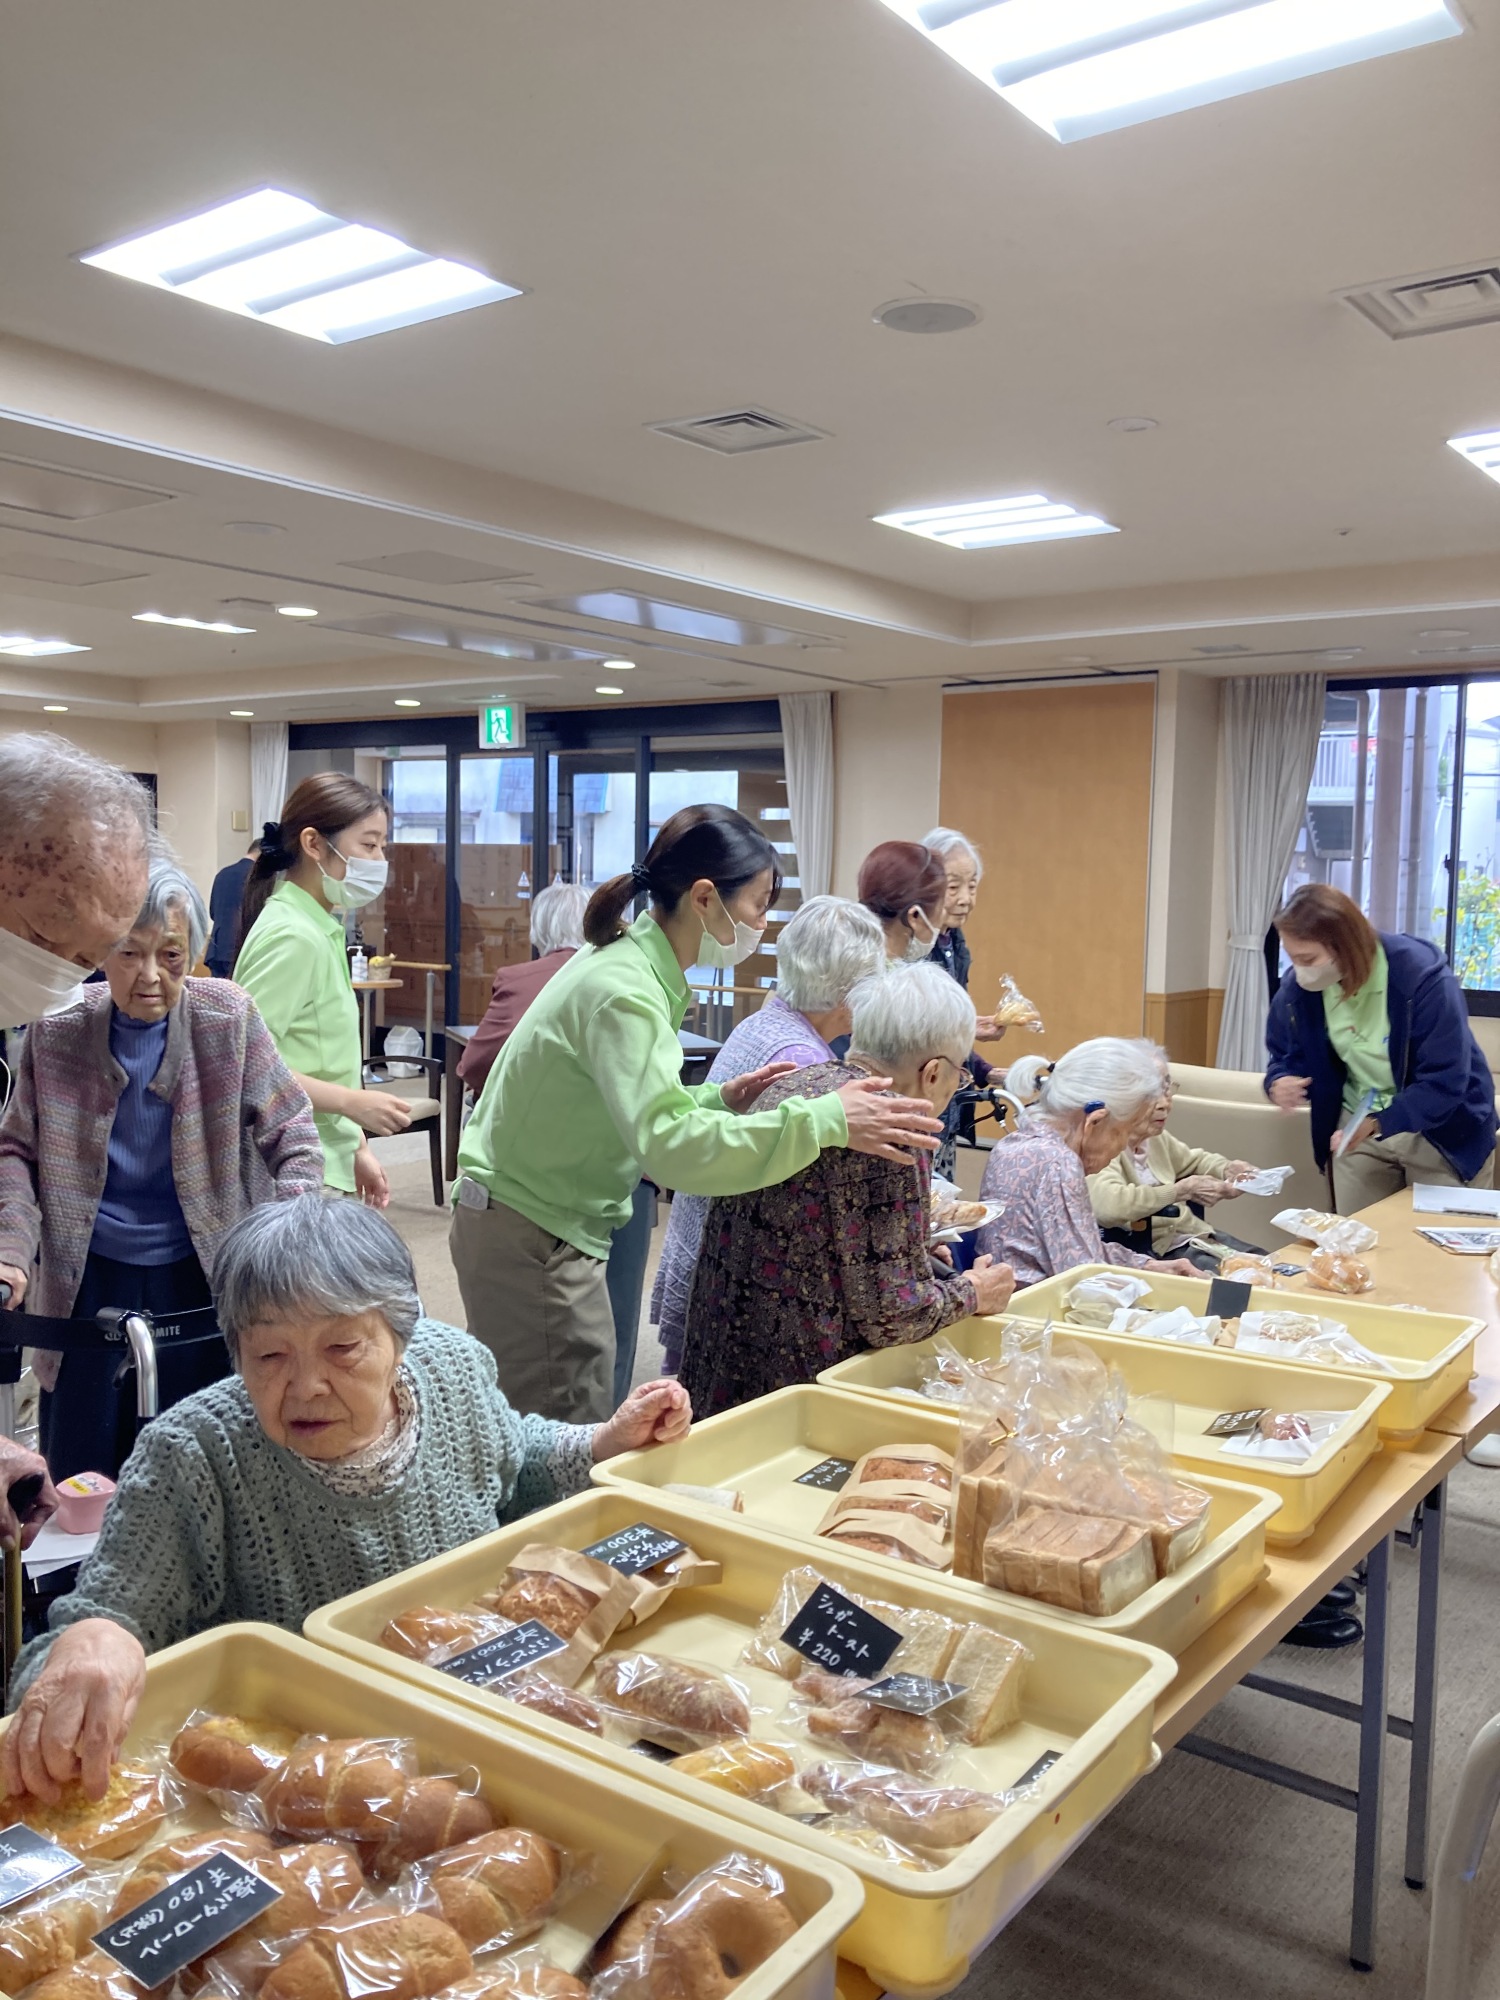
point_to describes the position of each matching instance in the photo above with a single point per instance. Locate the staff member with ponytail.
(587, 1095)
(326, 853)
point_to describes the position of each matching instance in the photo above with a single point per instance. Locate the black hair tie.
(273, 843)
(640, 877)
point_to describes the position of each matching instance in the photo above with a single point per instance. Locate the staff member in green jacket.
(326, 853)
(587, 1095)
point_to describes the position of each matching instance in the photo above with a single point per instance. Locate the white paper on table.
(1429, 1200)
(53, 1550)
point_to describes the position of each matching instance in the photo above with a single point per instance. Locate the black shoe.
(1328, 1632)
(1340, 1598)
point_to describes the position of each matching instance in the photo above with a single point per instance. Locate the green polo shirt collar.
(656, 948)
(309, 907)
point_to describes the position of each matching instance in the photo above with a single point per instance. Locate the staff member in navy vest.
(1370, 1028)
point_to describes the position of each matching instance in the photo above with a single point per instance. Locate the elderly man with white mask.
(73, 838)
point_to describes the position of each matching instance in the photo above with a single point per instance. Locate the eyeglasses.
(965, 1077)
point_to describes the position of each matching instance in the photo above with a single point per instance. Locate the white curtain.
(1271, 729)
(268, 742)
(807, 736)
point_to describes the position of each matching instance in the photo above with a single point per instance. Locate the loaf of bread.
(919, 1816)
(427, 1629)
(369, 1952)
(351, 1785)
(678, 1701)
(93, 1978)
(928, 1637)
(748, 1769)
(433, 1814)
(497, 1888)
(1075, 1561)
(562, 1704)
(879, 1735)
(134, 1806)
(229, 1753)
(49, 1935)
(561, 1606)
(993, 1670)
(927, 1463)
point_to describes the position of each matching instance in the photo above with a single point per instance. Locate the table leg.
(1425, 1687)
(1374, 1705)
(366, 1007)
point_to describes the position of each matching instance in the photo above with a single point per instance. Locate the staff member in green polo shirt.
(587, 1095)
(326, 853)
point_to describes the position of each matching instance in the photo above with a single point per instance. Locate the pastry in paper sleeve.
(926, 1464)
(581, 1600)
(897, 1537)
(705, 1942)
(932, 1506)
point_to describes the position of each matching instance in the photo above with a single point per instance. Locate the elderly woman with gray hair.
(356, 1439)
(835, 1260)
(829, 945)
(145, 1120)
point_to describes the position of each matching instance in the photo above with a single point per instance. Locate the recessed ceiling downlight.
(296, 611)
(927, 315)
(54, 708)
(242, 714)
(405, 701)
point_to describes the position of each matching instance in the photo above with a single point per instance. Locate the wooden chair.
(424, 1095)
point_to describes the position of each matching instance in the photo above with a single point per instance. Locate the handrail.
(1462, 1851)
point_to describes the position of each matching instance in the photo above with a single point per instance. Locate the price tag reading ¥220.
(832, 1632)
(914, 1694)
(832, 1474)
(630, 1550)
(191, 1916)
(29, 1861)
(496, 1659)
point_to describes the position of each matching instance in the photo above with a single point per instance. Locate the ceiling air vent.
(731, 431)
(1437, 302)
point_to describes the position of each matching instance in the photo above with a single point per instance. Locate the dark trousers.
(88, 1421)
(625, 1275)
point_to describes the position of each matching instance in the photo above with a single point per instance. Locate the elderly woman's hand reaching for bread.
(76, 1713)
(655, 1413)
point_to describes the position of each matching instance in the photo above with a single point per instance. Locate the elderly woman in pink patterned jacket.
(144, 1121)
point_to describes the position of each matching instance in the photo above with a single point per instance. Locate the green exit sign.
(502, 726)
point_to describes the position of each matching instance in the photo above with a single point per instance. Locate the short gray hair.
(1123, 1076)
(169, 887)
(943, 841)
(46, 781)
(912, 1012)
(557, 917)
(829, 945)
(313, 1255)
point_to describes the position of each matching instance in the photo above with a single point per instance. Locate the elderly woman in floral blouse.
(835, 1260)
(827, 948)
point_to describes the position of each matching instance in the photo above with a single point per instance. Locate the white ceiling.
(705, 201)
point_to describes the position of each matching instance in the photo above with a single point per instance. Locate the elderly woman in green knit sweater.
(355, 1439)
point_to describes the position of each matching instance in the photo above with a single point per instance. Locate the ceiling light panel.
(993, 524)
(413, 631)
(1482, 450)
(272, 257)
(1081, 67)
(683, 621)
(191, 624)
(59, 494)
(63, 569)
(20, 647)
(433, 566)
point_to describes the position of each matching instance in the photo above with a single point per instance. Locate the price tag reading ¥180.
(832, 1474)
(496, 1659)
(630, 1550)
(190, 1917)
(914, 1694)
(29, 1861)
(832, 1632)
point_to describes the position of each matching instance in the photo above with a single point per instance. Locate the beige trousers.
(541, 1308)
(1384, 1166)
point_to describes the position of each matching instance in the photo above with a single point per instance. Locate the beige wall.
(131, 744)
(887, 753)
(203, 779)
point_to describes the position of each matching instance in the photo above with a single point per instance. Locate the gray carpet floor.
(1203, 1882)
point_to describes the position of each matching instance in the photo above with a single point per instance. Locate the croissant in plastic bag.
(351, 1785)
(525, 1975)
(229, 1753)
(722, 1927)
(53, 1929)
(497, 1889)
(372, 1951)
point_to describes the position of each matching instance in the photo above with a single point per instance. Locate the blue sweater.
(140, 1219)
(1444, 1089)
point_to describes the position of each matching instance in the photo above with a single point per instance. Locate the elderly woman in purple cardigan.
(144, 1121)
(829, 945)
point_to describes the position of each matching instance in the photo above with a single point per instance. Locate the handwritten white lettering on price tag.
(832, 1632)
(189, 1918)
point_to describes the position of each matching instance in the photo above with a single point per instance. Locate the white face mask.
(364, 879)
(34, 982)
(1316, 978)
(719, 957)
(916, 948)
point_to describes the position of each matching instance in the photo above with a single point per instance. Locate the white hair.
(557, 917)
(168, 888)
(911, 1013)
(48, 782)
(1124, 1077)
(943, 841)
(829, 945)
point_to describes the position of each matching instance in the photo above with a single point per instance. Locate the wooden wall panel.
(1186, 1024)
(1054, 785)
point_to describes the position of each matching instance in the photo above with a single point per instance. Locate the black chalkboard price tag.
(914, 1694)
(832, 1632)
(29, 1861)
(496, 1659)
(832, 1474)
(1235, 1423)
(631, 1550)
(1038, 1770)
(191, 1916)
(1228, 1299)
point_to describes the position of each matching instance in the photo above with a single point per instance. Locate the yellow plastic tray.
(1201, 1383)
(1430, 1355)
(1090, 1696)
(634, 1830)
(763, 1446)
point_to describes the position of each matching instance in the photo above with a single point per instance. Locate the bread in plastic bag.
(95, 1977)
(151, 1871)
(713, 1934)
(496, 1889)
(533, 1690)
(921, 1817)
(837, 1713)
(229, 1753)
(1337, 1271)
(53, 1929)
(674, 1703)
(429, 1633)
(352, 1785)
(1333, 1232)
(1289, 1435)
(409, 1955)
(1298, 1336)
(318, 1880)
(927, 1642)
(744, 1768)
(433, 1813)
(1014, 1010)
(142, 1794)
(523, 1975)
(1092, 1300)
